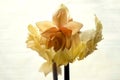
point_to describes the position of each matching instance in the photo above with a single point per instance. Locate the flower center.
(58, 38)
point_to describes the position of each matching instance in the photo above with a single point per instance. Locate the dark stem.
(55, 75)
(66, 72)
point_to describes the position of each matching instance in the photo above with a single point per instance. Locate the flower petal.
(49, 32)
(87, 35)
(60, 58)
(99, 28)
(44, 25)
(76, 49)
(79, 50)
(61, 17)
(32, 30)
(46, 68)
(68, 43)
(74, 26)
(91, 38)
(36, 42)
(67, 32)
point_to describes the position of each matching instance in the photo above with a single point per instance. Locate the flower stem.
(66, 72)
(55, 75)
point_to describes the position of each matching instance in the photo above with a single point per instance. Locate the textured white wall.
(20, 63)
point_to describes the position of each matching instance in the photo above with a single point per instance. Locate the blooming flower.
(61, 41)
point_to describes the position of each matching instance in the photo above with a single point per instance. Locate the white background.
(20, 63)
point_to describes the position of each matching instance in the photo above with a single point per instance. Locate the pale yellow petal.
(76, 51)
(74, 26)
(87, 35)
(98, 24)
(99, 28)
(76, 45)
(80, 50)
(46, 67)
(61, 17)
(37, 43)
(44, 25)
(32, 29)
(76, 39)
(91, 38)
(34, 44)
(59, 70)
(60, 58)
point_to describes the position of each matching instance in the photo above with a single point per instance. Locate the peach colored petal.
(58, 41)
(49, 32)
(67, 32)
(74, 26)
(44, 25)
(68, 43)
(61, 17)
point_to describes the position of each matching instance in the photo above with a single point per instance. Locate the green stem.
(66, 72)
(55, 75)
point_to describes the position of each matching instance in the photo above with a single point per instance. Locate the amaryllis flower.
(61, 40)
